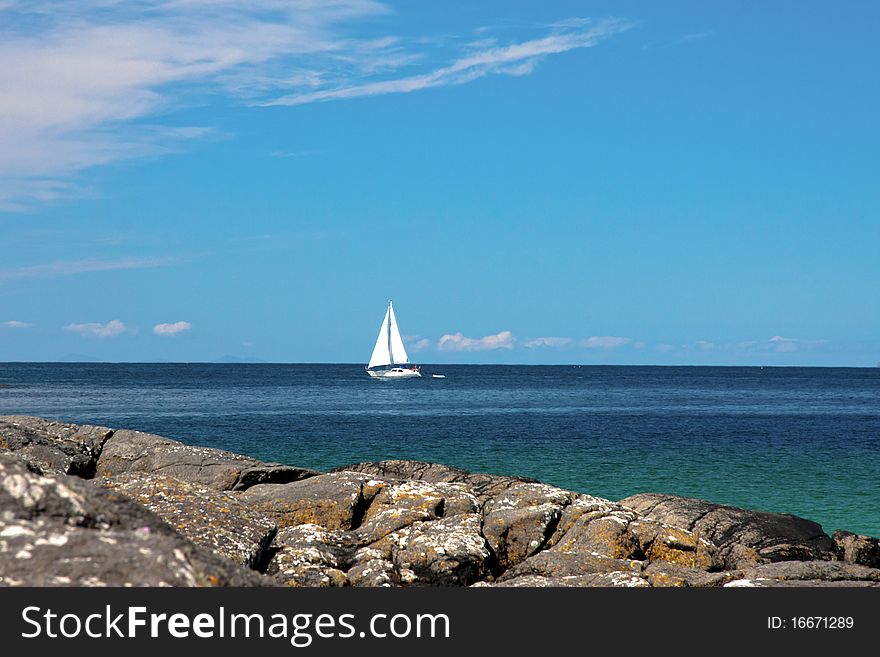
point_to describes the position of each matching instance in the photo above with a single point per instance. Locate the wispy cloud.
(111, 329)
(535, 343)
(605, 342)
(71, 267)
(172, 328)
(15, 324)
(82, 81)
(512, 59)
(687, 38)
(458, 342)
(786, 345)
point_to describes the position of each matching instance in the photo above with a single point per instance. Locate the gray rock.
(446, 552)
(663, 574)
(823, 571)
(401, 503)
(63, 531)
(521, 520)
(858, 549)
(799, 583)
(336, 500)
(742, 536)
(309, 555)
(214, 519)
(53, 447)
(555, 563)
(615, 579)
(483, 486)
(135, 451)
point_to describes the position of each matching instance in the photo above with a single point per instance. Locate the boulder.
(662, 574)
(742, 536)
(401, 503)
(858, 549)
(445, 552)
(63, 531)
(135, 451)
(216, 520)
(521, 520)
(593, 580)
(53, 447)
(483, 486)
(556, 563)
(819, 571)
(309, 555)
(336, 500)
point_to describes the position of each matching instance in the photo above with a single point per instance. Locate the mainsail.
(389, 345)
(398, 353)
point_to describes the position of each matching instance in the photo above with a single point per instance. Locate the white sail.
(381, 355)
(398, 353)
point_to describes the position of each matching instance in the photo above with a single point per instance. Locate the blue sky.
(566, 182)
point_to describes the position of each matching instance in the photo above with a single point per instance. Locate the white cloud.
(171, 329)
(83, 80)
(547, 342)
(458, 342)
(604, 342)
(15, 324)
(514, 59)
(111, 329)
(70, 267)
(419, 345)
(787, 345)
(704, 345)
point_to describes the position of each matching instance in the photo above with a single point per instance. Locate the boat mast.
(390, 355)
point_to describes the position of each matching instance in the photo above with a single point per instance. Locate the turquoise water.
(796, 440)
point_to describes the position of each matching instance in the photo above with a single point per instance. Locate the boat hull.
(395, 373)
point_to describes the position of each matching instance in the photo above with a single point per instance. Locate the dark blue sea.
(796, 440)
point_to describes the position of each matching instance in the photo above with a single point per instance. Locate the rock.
(854, 548)
(159, 512)
(53, 447)
(483, 486)
(664, 574)
(556, 563)
(823, 571)
(400, 504)
(742, 536)
(217, 520)
(135, 451)
(309, 555)
(63, 531)
(782, 583)
(446, 552)
(609, 579)
(336, 500)
(521, 520)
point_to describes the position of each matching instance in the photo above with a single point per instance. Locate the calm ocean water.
(796, 440)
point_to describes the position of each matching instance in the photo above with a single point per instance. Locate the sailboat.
(389, 353)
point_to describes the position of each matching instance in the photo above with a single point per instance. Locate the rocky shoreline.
(83, 505)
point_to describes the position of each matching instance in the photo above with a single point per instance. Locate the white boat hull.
(394, 373)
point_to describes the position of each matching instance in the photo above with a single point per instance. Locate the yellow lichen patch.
(667, 580)
(681, 547)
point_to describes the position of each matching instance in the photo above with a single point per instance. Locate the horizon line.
(260, 362)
